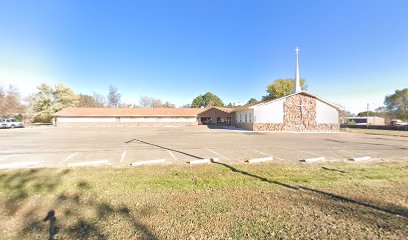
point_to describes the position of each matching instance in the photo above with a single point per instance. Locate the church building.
(300, 111)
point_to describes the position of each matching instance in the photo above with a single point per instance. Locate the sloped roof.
(128, 112)
(248, 106)
(224, 109)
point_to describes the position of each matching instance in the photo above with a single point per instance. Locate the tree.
(282, 87)
(113, 96)
(168, 104)
(188, 105)
(252, 100)
(100, 99)
(63, 97)
(397, 103)
(88, 101)
(151, 102)
(49, 100)
(41, 103)
(370, 114)
(10, 102)
(207, 100)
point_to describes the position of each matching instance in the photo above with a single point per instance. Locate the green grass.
(216, 201)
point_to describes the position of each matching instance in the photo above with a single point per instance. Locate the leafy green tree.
(370, 114)
(207, 100)
(63, 97)
(282, 87)
(48, 101)
(252, 100)
(397, 103)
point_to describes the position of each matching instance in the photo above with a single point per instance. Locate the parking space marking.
(172, 155)
(311, 153)
(257, 151)
(91, 163)
(123, 156)
(219, 155)
(69, 157)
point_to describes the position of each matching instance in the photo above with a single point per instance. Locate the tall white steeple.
(297, 78)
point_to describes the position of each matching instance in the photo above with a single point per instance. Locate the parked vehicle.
(398, 122)
(10, 123)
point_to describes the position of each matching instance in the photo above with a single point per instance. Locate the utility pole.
(368, 106)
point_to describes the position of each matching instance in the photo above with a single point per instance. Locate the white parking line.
(219, 155)
(123, 156)
(19, 164)
(257, 151)
(68, 158)
(311, 153)
(172, 155)
(91, 163)
(264, 153)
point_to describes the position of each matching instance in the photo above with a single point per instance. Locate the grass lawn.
(377, 132)
(217, 201)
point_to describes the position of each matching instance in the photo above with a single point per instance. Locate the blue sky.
(352, 52)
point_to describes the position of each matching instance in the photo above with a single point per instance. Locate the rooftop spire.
(297, 78)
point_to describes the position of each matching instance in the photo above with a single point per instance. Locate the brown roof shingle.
(128, 112)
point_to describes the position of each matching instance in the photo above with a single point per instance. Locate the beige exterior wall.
(124, 124)
(124, 121)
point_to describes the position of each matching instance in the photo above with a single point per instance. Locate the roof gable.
(250, 106)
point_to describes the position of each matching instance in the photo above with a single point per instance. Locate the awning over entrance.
(216, 116)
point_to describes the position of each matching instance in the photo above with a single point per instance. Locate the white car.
(10, 123)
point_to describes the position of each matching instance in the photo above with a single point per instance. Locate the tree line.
(49, 99)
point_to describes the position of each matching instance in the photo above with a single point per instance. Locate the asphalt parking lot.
(119, 147)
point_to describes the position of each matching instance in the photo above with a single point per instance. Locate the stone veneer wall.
(124, 124)
(295, 121)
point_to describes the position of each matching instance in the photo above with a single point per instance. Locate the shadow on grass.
(74, 214)
(21, 183)
(400, 211)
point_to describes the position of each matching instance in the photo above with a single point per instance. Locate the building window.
(240, 117)
(250, 120)
(246, 117)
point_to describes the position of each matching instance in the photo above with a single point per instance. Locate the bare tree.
(151, 102)
(113, 96)
(10, 103)
(100, 99)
